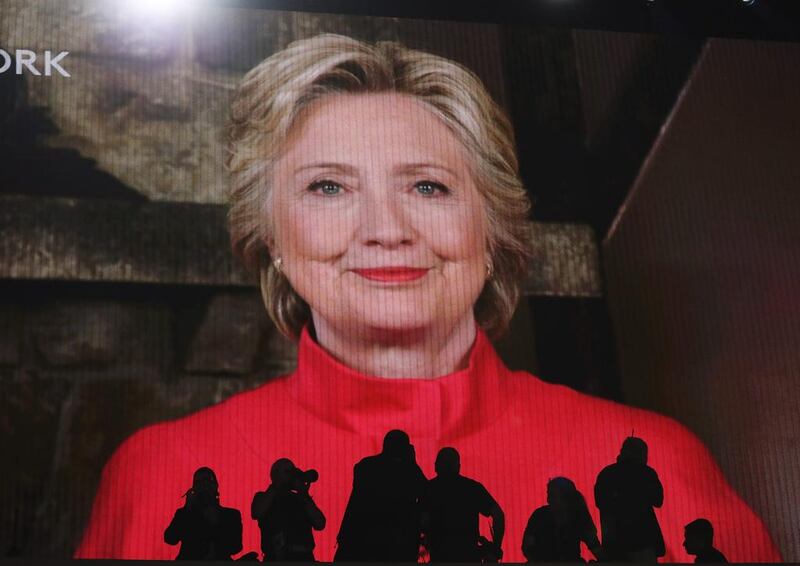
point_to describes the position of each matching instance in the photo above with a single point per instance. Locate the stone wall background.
(83, 368)
(149, 92)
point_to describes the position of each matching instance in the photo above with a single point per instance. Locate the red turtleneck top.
(513, 431)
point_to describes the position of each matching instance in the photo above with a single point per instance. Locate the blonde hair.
(270, 99)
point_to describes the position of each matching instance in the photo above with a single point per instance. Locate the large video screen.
(295, 286)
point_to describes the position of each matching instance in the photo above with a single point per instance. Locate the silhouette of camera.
(304, 477)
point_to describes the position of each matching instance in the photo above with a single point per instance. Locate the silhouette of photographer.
(205, 529)
(451, 509)
(382, 519)
(555, 531)
(626, 493)
(699, 542)
(286, 514)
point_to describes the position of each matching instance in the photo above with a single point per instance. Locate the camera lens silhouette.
(307, 476)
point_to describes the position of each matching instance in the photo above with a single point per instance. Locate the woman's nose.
(384, 222)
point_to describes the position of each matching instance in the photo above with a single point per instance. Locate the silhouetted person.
(382, 518)
(286, 514)
(699, 542)
(555, 531)
(626, 493)
(451, 508)
(205, 529)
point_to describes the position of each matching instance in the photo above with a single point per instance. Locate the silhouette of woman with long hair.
(555, 531)
(205, 529)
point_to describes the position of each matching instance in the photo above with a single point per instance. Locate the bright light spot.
(154, 10)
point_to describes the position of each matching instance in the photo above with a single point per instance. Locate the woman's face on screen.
(377, 219)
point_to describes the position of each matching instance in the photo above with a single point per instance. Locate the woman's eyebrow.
(414, 167)
(403, 169)
(341, 167)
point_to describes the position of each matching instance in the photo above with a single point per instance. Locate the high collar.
(449, 406)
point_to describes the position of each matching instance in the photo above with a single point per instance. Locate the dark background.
(664, 177)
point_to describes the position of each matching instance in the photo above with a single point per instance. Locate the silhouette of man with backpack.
(626, 494)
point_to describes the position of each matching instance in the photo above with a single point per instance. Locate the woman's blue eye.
(430, 188)
(325, 187)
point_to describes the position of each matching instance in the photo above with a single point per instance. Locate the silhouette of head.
(448, 462)
(698, 536)
(281, 471)
(560, 492)
(204, 482)
(633, 450)
(396, 444)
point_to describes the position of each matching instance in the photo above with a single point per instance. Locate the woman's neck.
(400, 353)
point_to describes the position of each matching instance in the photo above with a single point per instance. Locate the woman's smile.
(399, 274)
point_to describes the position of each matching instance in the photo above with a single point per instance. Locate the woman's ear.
(271, 246)
(273, 254)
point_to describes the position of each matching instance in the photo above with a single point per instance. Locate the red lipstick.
(392, 274)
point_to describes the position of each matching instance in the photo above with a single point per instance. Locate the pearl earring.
(277, 263)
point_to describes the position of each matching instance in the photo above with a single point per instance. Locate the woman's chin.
(403, 316)
(386, 325)
(400, 326)
(395, 325)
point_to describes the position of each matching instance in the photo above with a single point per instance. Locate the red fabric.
(514, 433)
